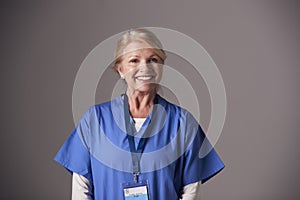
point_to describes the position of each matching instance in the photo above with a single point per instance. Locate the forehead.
(138, 48)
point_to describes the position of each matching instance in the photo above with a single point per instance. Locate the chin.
(147, 88)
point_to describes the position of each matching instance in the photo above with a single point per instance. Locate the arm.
(81, 188)
(191, 191)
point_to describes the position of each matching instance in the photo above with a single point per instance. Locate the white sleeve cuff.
(191, 191)
(81, 188)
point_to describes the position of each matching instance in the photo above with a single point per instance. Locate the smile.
(144, 78)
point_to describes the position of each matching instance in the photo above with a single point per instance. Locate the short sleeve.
(196, 167)
(74, 154)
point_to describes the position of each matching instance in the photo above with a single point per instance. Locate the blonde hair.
(141, 35)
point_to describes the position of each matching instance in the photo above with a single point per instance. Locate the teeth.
(144, 78)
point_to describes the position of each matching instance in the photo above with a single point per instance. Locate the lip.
(144, 77)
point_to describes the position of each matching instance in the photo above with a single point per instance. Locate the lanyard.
(136, 153)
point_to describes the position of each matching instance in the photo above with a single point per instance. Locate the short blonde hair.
(138, 34)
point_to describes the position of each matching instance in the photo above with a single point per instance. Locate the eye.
(153, 60)
(134, 60)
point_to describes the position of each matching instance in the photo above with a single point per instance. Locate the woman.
(138, 146)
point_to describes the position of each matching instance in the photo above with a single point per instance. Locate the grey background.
(255, 44)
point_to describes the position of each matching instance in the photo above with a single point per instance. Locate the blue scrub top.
(99, 150)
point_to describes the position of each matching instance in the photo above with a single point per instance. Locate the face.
(140, 67)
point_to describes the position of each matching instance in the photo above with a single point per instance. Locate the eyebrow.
(136, 55)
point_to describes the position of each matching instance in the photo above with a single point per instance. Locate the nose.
(144, 66)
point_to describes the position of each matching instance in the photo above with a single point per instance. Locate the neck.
(140, 104)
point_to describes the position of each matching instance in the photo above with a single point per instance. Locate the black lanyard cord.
(136, 153)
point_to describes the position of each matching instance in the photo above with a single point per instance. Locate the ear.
(120, 71)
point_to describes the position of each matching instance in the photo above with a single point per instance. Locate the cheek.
(125, 69)
(159, 70)
(130, 74)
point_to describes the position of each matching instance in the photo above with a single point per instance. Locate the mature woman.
(138, 146)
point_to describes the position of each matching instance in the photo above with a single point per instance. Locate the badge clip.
(135, 176)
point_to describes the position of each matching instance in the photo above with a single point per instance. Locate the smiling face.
(141, 67)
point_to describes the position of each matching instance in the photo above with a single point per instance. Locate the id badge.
(136, 191)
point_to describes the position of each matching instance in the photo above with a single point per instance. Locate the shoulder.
(176, 110)
(168, 106)
(103, 109)
(107, 104)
